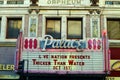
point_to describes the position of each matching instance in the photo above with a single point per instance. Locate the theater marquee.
(67, 62)
(63, 56)
(48, 55)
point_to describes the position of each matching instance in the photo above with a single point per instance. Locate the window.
(113, 28)
(74, 28)
(53, 27)
(1, 2)
(13, 27)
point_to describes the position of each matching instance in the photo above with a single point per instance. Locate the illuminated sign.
(63, 56)
(64, 61)
(6, 67)
(47, 42)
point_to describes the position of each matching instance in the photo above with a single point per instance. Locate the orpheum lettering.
(64, 2)
(35, 62)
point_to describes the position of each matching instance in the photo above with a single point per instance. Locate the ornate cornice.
(94, 2)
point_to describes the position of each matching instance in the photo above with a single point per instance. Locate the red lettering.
(70, 62)
(34, 60)
(79, 57)
(40, 62)
(55, 62)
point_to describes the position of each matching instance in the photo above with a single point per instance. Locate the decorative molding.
(31, 10)
(34, 2)
(26, 25)
(91, 11)
(94, 2)
(40, 24)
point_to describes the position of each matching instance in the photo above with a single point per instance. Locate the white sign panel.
(65, 62)
(63, 2)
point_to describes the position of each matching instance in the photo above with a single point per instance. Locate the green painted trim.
(117, 45)
(4, 44)
(9, 77)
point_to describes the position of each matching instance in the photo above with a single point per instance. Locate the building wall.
(52, 10)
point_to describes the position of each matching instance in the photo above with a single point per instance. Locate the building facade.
(62, 19)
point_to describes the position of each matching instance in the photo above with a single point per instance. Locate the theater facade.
(60, 37)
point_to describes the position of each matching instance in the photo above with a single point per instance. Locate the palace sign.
(49, 43)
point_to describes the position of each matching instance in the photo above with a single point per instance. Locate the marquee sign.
(63, 56)
(64, 62)
(47, 42)
(48, 55)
